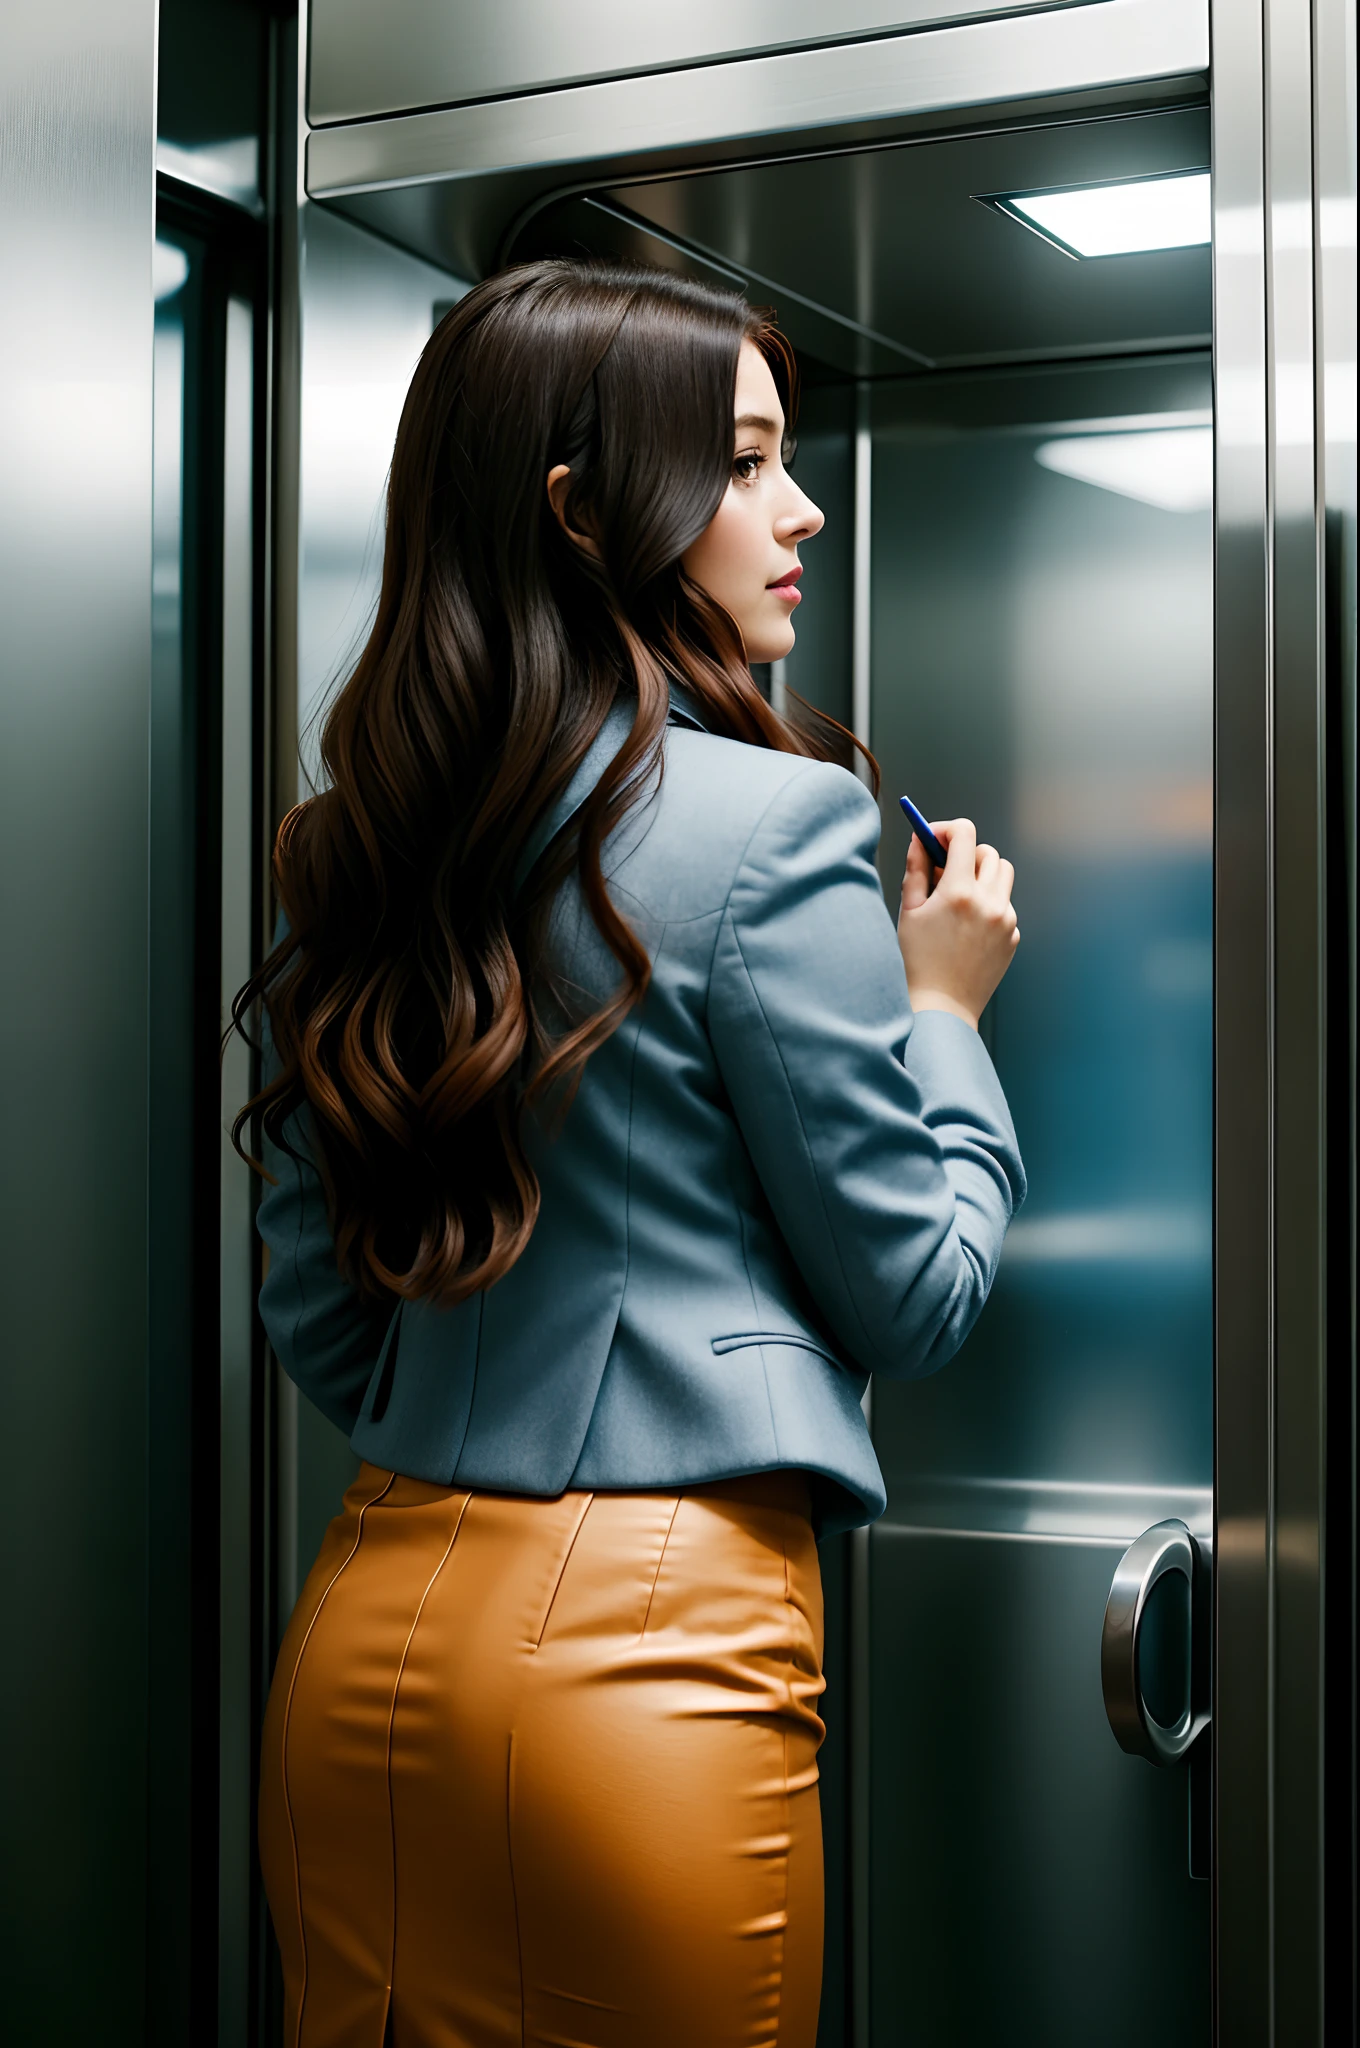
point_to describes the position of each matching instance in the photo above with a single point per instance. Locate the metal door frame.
(1284, 1026)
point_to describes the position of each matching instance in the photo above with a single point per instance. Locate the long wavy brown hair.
(409, 1001)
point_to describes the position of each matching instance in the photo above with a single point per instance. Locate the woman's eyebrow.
(756, 419)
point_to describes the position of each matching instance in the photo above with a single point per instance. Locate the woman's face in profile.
(747, 556)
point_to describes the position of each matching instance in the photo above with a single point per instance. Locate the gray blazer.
(774, 1180)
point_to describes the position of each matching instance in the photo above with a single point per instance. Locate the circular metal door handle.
(1166, 1547)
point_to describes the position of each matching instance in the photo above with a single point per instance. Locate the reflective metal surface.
(77, 123)
(1167, 1548)
(420, 53)
(175, 1531)
(1297, 736)
(422, 178)
(909, 272)
(1042, 662)
(1335, 89)
(1243, 967)
(1030, 1879)
(1284, 938)
(212, 83)
(238, 1255)
(204, 1478)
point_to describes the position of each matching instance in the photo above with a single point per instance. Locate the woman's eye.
(747, 467)
(788, 449)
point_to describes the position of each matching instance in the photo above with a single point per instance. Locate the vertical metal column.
(859, 1622)
(77, 141)
(1277, 879)
(237, 1704)
(1334, 213)
(862, 616)
(281, 737)
(1299, 1140)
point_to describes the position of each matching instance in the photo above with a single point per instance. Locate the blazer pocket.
(799, 1340)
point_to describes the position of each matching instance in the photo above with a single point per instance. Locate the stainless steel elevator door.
(1042, 661)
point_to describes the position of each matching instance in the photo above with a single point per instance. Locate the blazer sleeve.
(326, 1338)
(882, 1139)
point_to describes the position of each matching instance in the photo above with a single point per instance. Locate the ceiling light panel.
(1125, 219)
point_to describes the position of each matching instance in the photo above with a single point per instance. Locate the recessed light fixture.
(1123, 219)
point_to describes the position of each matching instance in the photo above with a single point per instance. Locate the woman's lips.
(786, 587)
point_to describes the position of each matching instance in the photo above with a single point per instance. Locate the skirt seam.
(656, 1575)
(342, 1567)
(562, 1570)
(391, 1722)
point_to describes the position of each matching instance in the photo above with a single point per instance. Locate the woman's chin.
(773, 644)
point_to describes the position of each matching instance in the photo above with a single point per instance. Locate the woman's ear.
(559, 483)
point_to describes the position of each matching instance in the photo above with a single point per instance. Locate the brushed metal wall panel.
(367, 60)
(1029, 1881)
(1043, 663)
(77, 133)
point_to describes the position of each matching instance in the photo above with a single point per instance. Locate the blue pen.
(923, 832)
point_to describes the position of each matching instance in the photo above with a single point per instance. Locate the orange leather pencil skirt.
(545, 1771)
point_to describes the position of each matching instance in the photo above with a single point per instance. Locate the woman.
(609, 1158)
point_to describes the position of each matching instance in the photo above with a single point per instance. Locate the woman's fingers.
(998, 885)
(957, 938)
(916, 880)
(959, 839)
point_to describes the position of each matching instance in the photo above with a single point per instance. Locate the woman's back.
(771, 1180)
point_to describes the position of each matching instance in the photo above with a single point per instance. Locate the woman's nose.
(801, 521)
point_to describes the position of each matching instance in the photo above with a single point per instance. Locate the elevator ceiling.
(883, 262)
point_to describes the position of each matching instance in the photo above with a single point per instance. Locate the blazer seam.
(627, 1213)
(807, 1148)
(724, 909)
(628, 1178)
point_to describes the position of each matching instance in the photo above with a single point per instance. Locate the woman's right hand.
(957, 927)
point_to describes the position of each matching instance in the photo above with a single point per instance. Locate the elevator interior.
(1012, 601)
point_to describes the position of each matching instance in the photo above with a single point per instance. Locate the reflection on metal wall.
(421, 53)
(206, 1527)
(819, 667)
(238, 1254)
(1043, 663)
(76, 145)
(367, 312)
